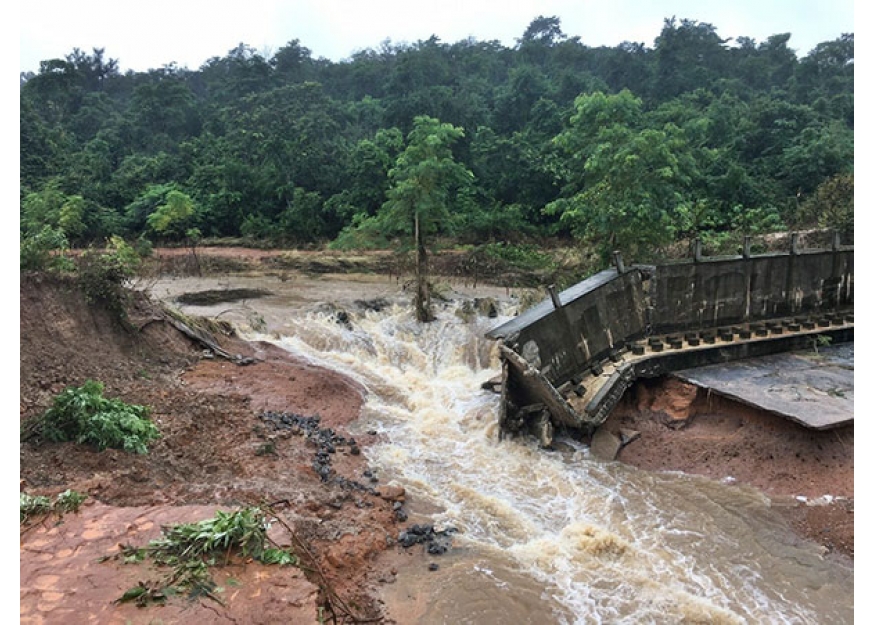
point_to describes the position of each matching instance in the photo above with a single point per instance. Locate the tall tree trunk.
(197, 262)
(422, 302)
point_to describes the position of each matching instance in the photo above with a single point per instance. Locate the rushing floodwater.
(547, 537)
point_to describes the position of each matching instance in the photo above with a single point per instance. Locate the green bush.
(37, 505)
(43, 250)
(526, 257)
(30, 506)
(103, 274)
(82, 414)
(243, 531)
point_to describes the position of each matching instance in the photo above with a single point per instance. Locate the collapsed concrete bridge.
(568, 361)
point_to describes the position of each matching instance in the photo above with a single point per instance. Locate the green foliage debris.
(188, 550)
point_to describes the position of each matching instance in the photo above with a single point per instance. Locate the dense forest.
(628, 147)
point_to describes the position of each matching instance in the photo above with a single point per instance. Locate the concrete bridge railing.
(567, 360)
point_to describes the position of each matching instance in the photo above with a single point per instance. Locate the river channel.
(542, 537)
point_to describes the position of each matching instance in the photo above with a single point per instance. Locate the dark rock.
(437, 548)
(437, 542)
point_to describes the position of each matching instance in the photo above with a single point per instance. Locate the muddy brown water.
(543, 537)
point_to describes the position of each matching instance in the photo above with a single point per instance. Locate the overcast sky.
(152, 33)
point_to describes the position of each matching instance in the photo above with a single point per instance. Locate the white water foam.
(609, 543)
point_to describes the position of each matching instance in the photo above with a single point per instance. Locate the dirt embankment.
(215, 452)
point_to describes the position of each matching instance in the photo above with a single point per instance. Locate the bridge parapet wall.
(697, 294)
(579, 326)
(575, 330)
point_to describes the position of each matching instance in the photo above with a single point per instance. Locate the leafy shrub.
(257, 226)
(243, 532)
(525, 257)
(37, 505)
(69, 501)
(832, 205)
(103, 274)
(43, 250)
(32, 505)
(143, 247)
(82, 414)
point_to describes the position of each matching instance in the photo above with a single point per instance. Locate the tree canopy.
(627, 146)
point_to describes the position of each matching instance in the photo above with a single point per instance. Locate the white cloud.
(151, 34)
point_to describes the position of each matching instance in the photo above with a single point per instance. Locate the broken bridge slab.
(813, 388)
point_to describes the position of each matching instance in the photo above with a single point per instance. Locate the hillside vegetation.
(631, 147)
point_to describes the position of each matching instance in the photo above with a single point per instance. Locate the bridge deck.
(815, 390)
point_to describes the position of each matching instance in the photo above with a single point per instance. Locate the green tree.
(426, 182)
(303, 218)
(293, 63)
(627, 186)
(174, 217)
(368, 174)
(51, 207)
(40, 146)
(689, 55)
(832, 206)
(827, 74)
(43, 207)
(226, 187)
(817, 154)
(162, 113)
